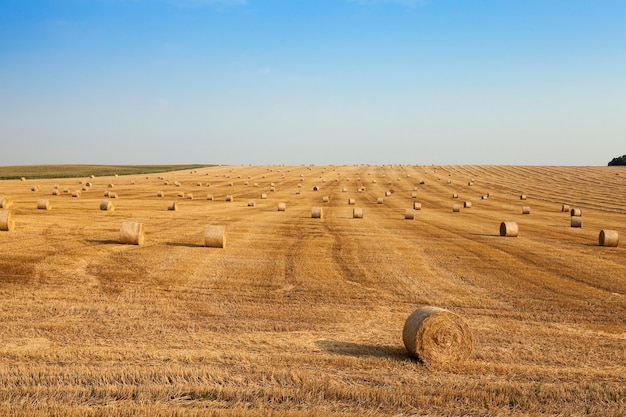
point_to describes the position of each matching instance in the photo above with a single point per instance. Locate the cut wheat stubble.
(437, 337)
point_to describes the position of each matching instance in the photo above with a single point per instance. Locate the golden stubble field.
(300, 316)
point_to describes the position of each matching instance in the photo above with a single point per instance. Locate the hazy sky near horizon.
(525, 82)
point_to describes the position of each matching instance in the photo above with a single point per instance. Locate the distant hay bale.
(522, 197)
(344, 190)
(576, 212)
(469, 183)
(132, 233)
(357, 213)
(325, 199)
(107, 206)
(189, 196)
(565, 208)
(455, 195)
(409, 214)
(417, 206)
(56, 191)
(215, 237)
(250, 203)
(5, 202)
(414, 188)
(525, 210)
(387, 193)
(76, 193)
(7, 223)
(23, 179)
(484, 197)
(316, 188)
(181, 194)
(43, 204)
(608, 238)
(176, 183)
(576, 221)
(263, 196)
(456, 208)
(317, 213)
(230, 198)
(351, 201)
(230, 184)
(379, 200)
(112, 194)
(209, 197)
(172, 206)
(160, 194)
(272, 189)
(298, 191)
(437, 336)
(198, 184)
(422, 182)
(84, 189)
(66, 191)
(88, 184)
(467, 204)
(282, 206)
(34, 188)
(413, 194)
(509, 229)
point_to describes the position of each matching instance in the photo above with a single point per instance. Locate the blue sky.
(528, 82)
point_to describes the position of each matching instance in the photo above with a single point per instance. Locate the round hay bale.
(413, 194)
(56, 191)
(379, 200)
(484, 197)
(467, 204)
(110, 185)
(576, 212)
(160, 194)
(172, 206)
(608, 238)
(316, 188)
(576, 221)
(282, 206)
(387, 193)
(7, 223)
(76, 193)
(107, 206)
(250, 203)
(181, 194)
(43, 204)
(230, 198)
(112, 194)
(66, 190)
(455, 195)
(456, 208)
(132, 233)
(263, 196)
(526, 210)
(409, 214)
(189, 196)
(325, 199)
(209, 197)
(5, 202)
(522, 197)
(344, 190)
(417, 206)
(215, 237)
(509, 229)
(565, 207)
(357, 213)
(351, 201)
(272, 189)
(317, 213)
(106, 194)
(198, 184)
(34, 188)
(437, 336)
(469, 183)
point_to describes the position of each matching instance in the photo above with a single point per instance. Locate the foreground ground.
(300, 316)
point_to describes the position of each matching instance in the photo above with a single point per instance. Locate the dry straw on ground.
(437, 336)
(215, 237)
(7, 223)
(43, 204)
(132, 233)
(609, 238)
(509, 229)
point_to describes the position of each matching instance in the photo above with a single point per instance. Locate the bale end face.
(215, 237)
(608, 238)
(509, 229)
(437, 337)
(132, 233)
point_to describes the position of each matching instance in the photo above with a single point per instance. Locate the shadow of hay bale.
(360, 350)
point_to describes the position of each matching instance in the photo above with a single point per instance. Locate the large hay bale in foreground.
(215, 237)
(437, 336)
(43, 204)
(6, 221)
(132, 233)
(509, 229)
(609, 238)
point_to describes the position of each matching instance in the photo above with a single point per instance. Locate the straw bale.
(5, 202)
(576, 221)
(437, 337)
(576, 212)
(282, 206)
(565, 208)
(522, 197)
(417, 206)
(107, 206)
(456, 208)
(132, 233)
(263, 196)
(609, 238)
(209, 197)
(409, 214)
(455, 195)
(379, 200)
(317, 213)
(160, 194)
(230, 198)
(357, 213)
(189, 196)
(509, 229)
(7, 223)
(250, 203)
(112, 194)
(43, 204)
(172, 206)
(467, 204)
(351, 201)
(215, 237)
(325, 199)
(76, 193)
(525, 210)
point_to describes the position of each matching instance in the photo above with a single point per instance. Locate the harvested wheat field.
(304, 316)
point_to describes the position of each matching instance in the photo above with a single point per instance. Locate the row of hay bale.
(133, 233)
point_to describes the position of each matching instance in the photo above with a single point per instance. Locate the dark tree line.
(620, 160)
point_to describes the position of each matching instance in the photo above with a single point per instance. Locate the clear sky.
(529, 82)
